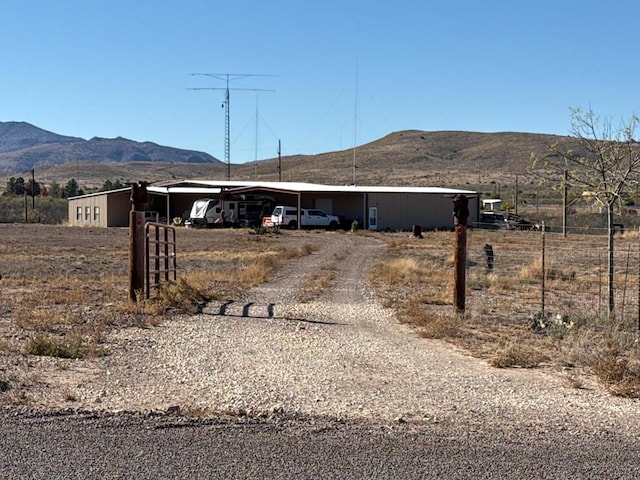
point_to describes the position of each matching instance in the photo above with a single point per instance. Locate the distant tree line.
(50, 205)
(20, 186)
(109, 185)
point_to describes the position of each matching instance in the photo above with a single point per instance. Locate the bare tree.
(605, 164)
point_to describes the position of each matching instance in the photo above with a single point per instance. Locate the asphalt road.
(87, 446)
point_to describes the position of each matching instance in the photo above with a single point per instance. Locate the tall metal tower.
(227, 120)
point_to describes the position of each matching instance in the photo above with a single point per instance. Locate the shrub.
(48, 210)
(180, 294)
(398, 271)
(48, 346)
(617, 372)
(517, 355)
(431, 324)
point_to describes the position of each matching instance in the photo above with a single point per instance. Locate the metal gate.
(160, 255)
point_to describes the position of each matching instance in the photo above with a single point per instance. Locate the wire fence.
(552, 274)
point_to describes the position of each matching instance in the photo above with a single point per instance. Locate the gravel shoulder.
(342, 356)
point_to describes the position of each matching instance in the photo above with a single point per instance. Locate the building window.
(87, 214)
(96, 214)
(78, 213)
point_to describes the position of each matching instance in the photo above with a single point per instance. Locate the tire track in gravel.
(350, 255)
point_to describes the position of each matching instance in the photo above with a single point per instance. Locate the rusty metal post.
(136, 254)
(460, 215)
(137, 239)
(544, 275)
(460, 262)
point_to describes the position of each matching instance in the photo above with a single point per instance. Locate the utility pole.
(515, 197)
(255, 158)
(33, 189)
(279, 162)
(355, 131)
(565, 206)
(227, 117)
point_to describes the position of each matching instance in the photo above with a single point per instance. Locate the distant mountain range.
(24, 146)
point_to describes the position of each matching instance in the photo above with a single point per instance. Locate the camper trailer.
(208, 213)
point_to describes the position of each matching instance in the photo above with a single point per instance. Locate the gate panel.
(160, 255)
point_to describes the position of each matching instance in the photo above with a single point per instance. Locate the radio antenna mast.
(227, 120)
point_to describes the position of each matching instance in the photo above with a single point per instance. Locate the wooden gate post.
(136, 254)
(137, 239)
(460, 261)
(460, 215)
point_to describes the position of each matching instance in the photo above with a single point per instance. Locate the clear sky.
(344, 72)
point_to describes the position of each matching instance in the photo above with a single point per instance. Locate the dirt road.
(341, 355)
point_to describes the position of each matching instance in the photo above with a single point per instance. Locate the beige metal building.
(374, 207)
(103, 209)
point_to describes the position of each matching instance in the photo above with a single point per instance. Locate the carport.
(346, 204)
(374, 207)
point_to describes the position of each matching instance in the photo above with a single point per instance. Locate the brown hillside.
(412, 157)
(415, 157)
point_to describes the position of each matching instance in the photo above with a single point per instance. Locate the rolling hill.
(410, 157)
(414, 157)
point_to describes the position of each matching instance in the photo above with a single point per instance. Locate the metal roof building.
(374, 207)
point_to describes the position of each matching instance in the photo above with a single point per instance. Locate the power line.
(227, 117)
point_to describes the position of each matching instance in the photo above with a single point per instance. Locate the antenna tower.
(227, 120)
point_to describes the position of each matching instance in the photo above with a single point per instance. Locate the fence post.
(599, 284)
(460, 260)
(461, 213)
(624, 290)
(564, 204)
(544, 272)
(638, 282)
(137, 239)
(136, 253)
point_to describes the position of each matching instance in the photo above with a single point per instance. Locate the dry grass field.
(62, 289)
(503, 321)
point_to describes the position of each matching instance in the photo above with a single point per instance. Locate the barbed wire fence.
(547, 274)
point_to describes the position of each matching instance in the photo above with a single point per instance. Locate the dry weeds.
(64, 288)
(502, 323)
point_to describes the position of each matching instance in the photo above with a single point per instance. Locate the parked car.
(492, 221)
(309, 217)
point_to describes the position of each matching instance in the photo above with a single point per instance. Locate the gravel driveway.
(341, 356)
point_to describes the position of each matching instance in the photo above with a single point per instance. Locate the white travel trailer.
(209, 212)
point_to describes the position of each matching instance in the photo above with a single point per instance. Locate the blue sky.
(344, 72)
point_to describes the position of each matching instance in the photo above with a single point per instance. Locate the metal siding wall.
(72, 205)
(400, 211)
(442, 212)
(102, 202)
(350, 206)
(389, 208)
(347, 205)
(325, 204)
(91, 203)
(118, 207)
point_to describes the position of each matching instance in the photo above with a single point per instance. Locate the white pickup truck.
(309, 217)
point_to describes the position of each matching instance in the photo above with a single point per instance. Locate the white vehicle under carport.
(209, 212)
(285, 216)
